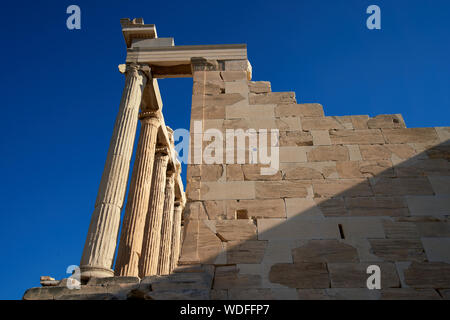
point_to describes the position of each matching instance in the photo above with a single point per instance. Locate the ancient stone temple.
(300, 205)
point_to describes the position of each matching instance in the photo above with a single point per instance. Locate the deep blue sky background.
(60, 91)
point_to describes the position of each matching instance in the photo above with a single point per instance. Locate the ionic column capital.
(134, 69)
(162, 151)
(149, 117)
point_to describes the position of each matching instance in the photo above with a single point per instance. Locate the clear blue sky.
(60, 92)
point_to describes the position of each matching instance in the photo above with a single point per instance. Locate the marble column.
(176, 235)
(148, 264)
(100, 245)
(167, 226)
(130, 245)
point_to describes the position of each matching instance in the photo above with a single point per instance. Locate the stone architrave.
(100, 245)
(148, 264)
(132, 233)
(167, 226)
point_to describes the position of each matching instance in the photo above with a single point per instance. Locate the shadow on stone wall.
(376, 213)
(395, 217)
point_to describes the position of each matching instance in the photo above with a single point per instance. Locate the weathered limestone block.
(261, 208)
(328, 153)
(206, 76)
(292, 154)
(402, 151)
(360, 122)
(179, 281)
(209, 244)
(385, 121)
(375, 152)
(288, 123)
(354, 152)
(428, 275)
(439, 152)
(227, 190)
(211, 172)
(342, 188)
(216, 210)
(234, 172)
(433, 229)
(354, 275)
(360, 227)
(252, 172)
(228, 277)
(240, 87)
(189, 250)
(259, 86)
(299, 110)
(233, 230)
(280, 189)
(213, 87)
(321, 137)
(345, 121)
(331, 207)
(410, 135)
(402, 186)
(422, 167)
(398, 249)
(437, 249)
(234, 75)
(370, 136)
(248, 251)
(400, 230)
(297, 229)
(300, 275)
(409, 294)
(323, 123)
(429, 205)
(272, 98)
(309, 170)
(325, 251)
(301, 207)
(213, 107)
(443, 134)
(295, 139)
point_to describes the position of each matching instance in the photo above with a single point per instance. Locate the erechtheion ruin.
(346, 193)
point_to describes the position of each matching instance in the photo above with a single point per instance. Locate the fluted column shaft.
(176, 235)
(148, 264)
(98, 252)
(130, 245)
(167, 227)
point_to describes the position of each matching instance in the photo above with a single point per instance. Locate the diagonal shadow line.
(395, 218)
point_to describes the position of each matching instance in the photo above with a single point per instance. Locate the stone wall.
(351, 191)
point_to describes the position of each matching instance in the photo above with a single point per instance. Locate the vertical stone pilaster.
(167, 226)
(132, 233)
(176, 235)
(100, 245)
(148, 264)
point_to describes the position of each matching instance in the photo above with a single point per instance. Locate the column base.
(88, 272)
